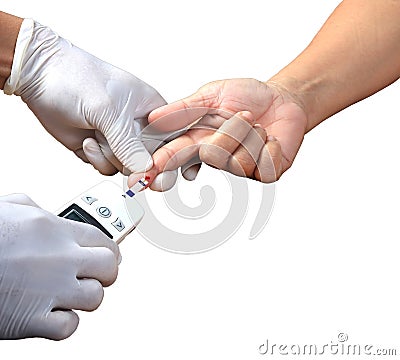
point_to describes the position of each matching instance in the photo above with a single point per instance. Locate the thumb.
(126, 144)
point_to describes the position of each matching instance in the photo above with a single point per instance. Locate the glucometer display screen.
(76, 213)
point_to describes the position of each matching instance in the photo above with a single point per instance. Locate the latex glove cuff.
(23, 39)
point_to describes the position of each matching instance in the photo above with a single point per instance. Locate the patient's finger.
(178, 115)
(269, 165)
(244, 159)
(191, 168)
(218, 149)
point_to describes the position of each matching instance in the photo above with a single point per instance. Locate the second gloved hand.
(49, 266)
(95, 109)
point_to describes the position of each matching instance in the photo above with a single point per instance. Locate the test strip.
(139, 186)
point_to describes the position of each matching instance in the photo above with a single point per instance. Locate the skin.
(232, 135)
(9, 28)
(354, 55)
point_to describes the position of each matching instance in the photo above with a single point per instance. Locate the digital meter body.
(106, 207)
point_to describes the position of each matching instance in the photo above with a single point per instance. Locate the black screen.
(76, 213)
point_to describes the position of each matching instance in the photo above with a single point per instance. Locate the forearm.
(9, 28)
(355, 54)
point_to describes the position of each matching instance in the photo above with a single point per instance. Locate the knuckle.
(245, 160)
(111, 267)
(109, 258)
(23, 198)
(236, 166)
(205, 153)
(214, 155)
(171, 159)
(242, 165)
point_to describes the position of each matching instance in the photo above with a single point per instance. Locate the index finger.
(178, 115)
(173, 155)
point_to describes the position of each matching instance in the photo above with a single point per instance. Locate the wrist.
(305, 93)
(20, 58)
(9, 30)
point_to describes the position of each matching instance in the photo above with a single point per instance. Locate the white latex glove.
(95, 109)
(49, 266)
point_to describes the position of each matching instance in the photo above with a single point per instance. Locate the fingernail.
(271, 138)
(190, 174)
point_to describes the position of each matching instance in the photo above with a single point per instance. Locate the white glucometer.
(105, 206)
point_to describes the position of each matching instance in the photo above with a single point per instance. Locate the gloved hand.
(93, 108)
(49, 266)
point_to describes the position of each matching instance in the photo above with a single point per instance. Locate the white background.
(327, 261)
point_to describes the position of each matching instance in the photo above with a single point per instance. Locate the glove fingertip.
(141, 163)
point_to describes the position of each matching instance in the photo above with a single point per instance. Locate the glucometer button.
(89, 199)
(104, 211)
(118, 224)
